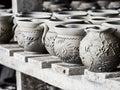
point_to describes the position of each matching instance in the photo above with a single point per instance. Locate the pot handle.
(45, 28)
(15, 25)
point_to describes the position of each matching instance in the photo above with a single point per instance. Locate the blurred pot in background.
(114, 4)
(103, 3)
(59, 5)
(88, 4)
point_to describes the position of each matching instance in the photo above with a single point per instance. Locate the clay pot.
(104, 13)
(115, 4)
(87, 5)
(103, 3)
(67, 41)
(30, 36)
(59, 5)
(51, 35)
(100, 49)
(6, 24)
(64, 14)
(33, 16)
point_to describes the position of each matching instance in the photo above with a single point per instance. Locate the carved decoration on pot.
(86, 5)
(31, 36)
(51, 35)
(33, 16)
(6, 24)
(100, 49)
(67, 42)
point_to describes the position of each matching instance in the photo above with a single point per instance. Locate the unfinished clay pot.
(6, 24)
(103, 3)
(87, 5)
(100, 49)
(67, 41)
(114, 4)
(31, 36)
(33, 16)
(51, 35)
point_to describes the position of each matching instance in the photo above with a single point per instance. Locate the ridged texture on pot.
(31, 40)
(100, 51)
(49, 42)
(67, 48)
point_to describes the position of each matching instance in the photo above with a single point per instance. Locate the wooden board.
(9, 49)
(68, 69)
(44, 61)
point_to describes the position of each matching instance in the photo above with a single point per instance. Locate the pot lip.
(33, 15)
(113, 23)
(74, 12)
(25, 21)
(76, 17)
(100, 28)
(103, 12)
(76, 26)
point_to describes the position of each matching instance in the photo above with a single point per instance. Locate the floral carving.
(67, 48)
(49, 42)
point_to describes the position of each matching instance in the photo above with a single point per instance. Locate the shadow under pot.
(30, 36)
(6, 24)
(100, 49)
(67, 41)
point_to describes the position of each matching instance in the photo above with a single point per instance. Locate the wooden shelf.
(32, 67)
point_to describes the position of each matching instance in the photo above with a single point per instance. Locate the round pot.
(100, 49)
(51, 35)
(6, 24)
(103, 3)
(33, 16)
(87, 5)
(115, 4)
(30, 36)
(67, 41)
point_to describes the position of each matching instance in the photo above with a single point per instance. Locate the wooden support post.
(18, 78)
